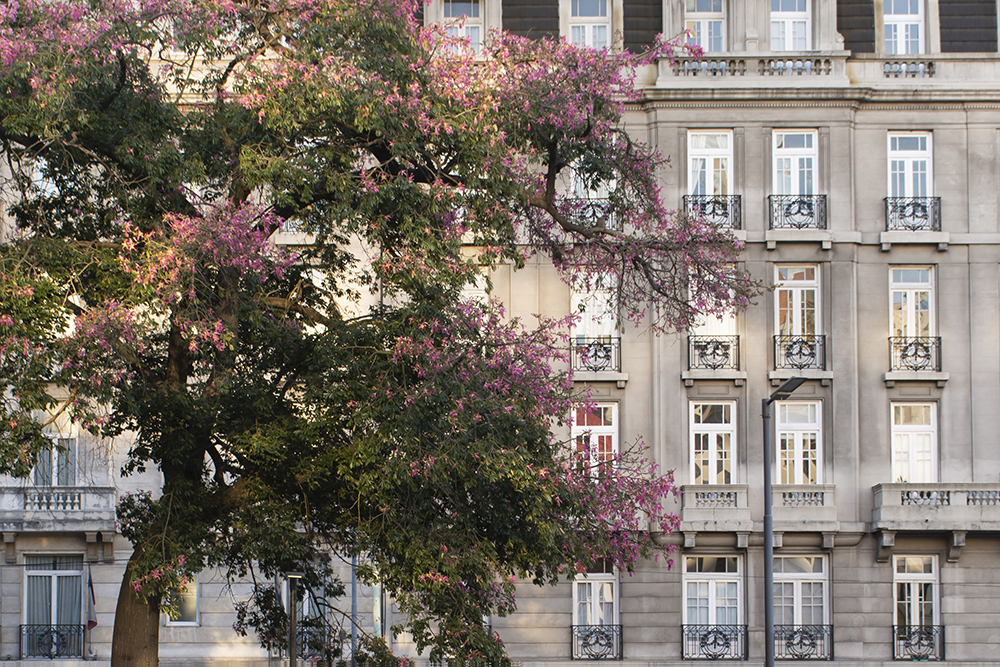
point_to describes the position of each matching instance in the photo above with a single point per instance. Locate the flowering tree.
(152, 148)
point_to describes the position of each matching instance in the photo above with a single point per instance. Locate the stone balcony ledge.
(58, 509)
(938, 506)
(715, 508)
(804, 507)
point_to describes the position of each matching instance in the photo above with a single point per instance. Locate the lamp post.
(293, 585)
(779, 394)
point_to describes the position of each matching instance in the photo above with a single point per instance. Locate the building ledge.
(804, 507)
(821, 236)
(779, 376)
(892, 377)
(601, 376)
(972, 507)
(715, 508)
(940, 239)
(736, 377)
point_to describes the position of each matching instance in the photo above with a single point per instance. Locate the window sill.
(892, 377)
(737, 377)
(590, 376)
(821, 236)
(779, 376)
(940, 239)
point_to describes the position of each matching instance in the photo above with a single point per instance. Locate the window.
(187, 604)
(594, 596)
(710, 158)
(712, 590)
(800, 590)
(799, 451)
(915, 584)
(713, 443)
(796, 297)
(910, 164)
(904, 27)
(597, 315)
(595, 430)
(53, 604)
(590, 23)
(914, 442)
(794, 162)
(464, 21)
(705, 22)
(56, 464)
(790, 25)
(911, 296)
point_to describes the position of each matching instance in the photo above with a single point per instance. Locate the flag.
(91, 602)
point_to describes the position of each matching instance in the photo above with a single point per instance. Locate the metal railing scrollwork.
(600, 354)
(918, 642)
(51, 641)
(913, 214)
(803, 642)
(714, 353)
(800, 352)
(714, 642)
(915, 353)
(721, 210)
(798, 211)
(597, 642)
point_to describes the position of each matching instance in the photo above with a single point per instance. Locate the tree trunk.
(135, 642)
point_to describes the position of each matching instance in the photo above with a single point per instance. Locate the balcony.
(58, 508)
(714, 642)
(915, 354)
(51, 641)
(713, 353)
(936, 506)
(918, 642)
(593, 212)
(803, 642)
(721, 210)
(597, 642)
(715, 508)
(797, 211)
(800, 352)
(800, 507)
(597, 355)
(913, 214)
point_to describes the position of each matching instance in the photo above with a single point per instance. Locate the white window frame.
(715, 161)
(907, 469)
(706, 28)
(797, 291)
(591, 30)
(786, 21)
(899, 28)
(57, 459)
(799, 435)
(908, 293)
(460, 25)
(906, 164)
(794, 168)
(711, 581)
(598, 319)
(191, 588)
(54, 592)
(711, 433)
(607, 434)
(913, 581)
(590, 584)
(798, 581)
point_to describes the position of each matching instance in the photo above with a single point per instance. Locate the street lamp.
(293, 585)
(779, 394)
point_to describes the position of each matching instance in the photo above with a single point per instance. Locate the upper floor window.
(710, 160)
(791, 25)
(56, 464)
(794, 162)
(713, 442)
(911, 292)
(915, 583)
(186, 604)
(914, 442)
(796, 298)
(595, 429)
(464, 20)
(705, 22)
(590, 23)
(595, 308)
(53, 605)
(799, 442)
(904, 27)
(910, 164)
(713, 590)
(594, 596)
(800, 590)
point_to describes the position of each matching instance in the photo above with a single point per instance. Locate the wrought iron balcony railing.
(721, 210)
(51, 641)
(713, 353)
(597, 642)
(907, 353)
(803, 642)
(913, 214)
(714, 642)
(600, 354)
(800, 352)
(918, 642)
(590, 212)
(798, 211)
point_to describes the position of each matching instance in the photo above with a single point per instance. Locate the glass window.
(594, 598)
(794, 162)
(713, 590)
(916, 590)
(710, 160)
(911, 297)
(799, 442)
(904, 27)
(464, 20)
(53, 597)
(713, 443)
(791, 25)
(914, 442)
(590, 23)
(187, 605)
(595, 429)
(705, 23)
(56, 464)
(597, 314)
(796, 298)
(910, 164)
(800, 590)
